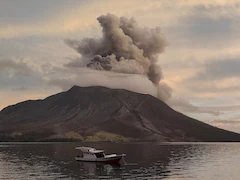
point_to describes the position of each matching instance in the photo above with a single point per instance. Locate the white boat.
(93, 155)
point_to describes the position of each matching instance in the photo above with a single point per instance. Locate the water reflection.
(144, 161)
(99, 170)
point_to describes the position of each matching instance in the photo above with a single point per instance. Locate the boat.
(90, 154)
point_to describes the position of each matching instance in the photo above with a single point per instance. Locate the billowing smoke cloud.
(124, 48)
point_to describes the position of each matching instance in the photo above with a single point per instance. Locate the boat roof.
(88, 149)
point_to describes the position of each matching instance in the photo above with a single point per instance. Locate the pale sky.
(201, 62)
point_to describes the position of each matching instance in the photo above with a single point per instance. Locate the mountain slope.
(83, 112)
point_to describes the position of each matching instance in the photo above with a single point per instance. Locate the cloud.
(15, 68)
(86, 77)
(28, 18)
(62, 83)
(205, 25)
(205, 28)
(220, 68)
(126, 48)
(21, 75)
(226, 108)
(185, 106)
(218, 77)
(19, 89)
(226, 122)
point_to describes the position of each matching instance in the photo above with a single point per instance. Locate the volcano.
(103, 114)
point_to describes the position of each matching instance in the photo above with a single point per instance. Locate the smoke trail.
(124, 48)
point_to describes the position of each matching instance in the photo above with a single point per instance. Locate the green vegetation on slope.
(105, 136)
(68, 136)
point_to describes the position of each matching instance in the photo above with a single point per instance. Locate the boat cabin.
(91, 153)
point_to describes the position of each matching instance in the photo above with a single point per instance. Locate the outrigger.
(93, 155)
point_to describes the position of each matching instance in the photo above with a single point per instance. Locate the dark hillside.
(99, 113)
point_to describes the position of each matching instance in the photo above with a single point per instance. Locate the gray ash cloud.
(124, 47)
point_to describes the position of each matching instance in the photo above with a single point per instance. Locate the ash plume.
(124, 48)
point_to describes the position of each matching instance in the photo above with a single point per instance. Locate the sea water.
(170, 161)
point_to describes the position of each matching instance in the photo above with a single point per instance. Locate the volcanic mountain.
(100, 113)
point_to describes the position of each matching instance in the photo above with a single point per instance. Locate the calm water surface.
(175, 161)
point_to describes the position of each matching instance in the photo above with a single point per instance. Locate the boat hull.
(110, 160)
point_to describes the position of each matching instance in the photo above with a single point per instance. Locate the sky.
(201, 62)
